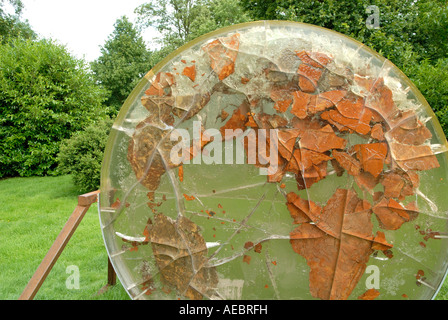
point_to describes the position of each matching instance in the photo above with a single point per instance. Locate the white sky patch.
(83, 26)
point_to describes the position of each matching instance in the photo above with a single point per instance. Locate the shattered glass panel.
(276, 160)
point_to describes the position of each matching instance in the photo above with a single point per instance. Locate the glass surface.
(276, 160)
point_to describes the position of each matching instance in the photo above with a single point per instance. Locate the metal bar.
(84, 202)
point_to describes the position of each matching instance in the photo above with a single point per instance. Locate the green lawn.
(32, 213)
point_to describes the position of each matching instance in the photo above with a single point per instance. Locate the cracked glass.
(276, 160)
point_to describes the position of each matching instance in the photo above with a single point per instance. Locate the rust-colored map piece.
(350, 115)
(305, 104)
(251, 122)
(181, 173)
(351, 107)
(306, 124)
(160, 102)
(311, 175)
(185, 107)
(310, 158)
(377, 132)
(336, 241)
(287, 140)
(322, 140)
(391, 214)
(160, 108)
(180, 252)
(406, 128)
(299, 159)
(337, 167)
(309, 76)
(370, 294)
(380, 97)
(306, 162)
(372, 156)
(346, 161)
(270, 121)
(314, 59)
(393, 184)
(380, 243)
(301, 101)
(311, 69)
(190, 72)
(282, 105)
(223, 53)
(158, 99)
(366, 181)
(302, 210)
(281, 95)
(259, 153)
(161, 85)
(400, 184)
(326, 100)
(189, 198)
(224, 115)
(410, 157)
(148, 159)
(238, 120)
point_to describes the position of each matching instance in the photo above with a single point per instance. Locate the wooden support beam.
(84, 202)
(111, 275)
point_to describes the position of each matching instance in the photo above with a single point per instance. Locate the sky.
(82, 25)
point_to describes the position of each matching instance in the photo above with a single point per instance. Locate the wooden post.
(111, 275)
(84, 202)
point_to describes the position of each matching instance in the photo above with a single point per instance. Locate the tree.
(172, 18)
(123, 62)
(45, 96)
(17, 5)
(216, 14)
(180, 21)
(420, 23)
(10, 24)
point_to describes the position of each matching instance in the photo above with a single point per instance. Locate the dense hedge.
(431, 78)
(45, 96)
(82, 155)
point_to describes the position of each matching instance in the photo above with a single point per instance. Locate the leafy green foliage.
(123, 62)
(432, 81)
(45, 96)
(82, 155)
(217, 14)
(180, 21)
(10, 24)
(172, 18)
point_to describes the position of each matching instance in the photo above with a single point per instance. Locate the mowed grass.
(33, 211)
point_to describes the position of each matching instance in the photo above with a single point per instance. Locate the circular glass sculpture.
(276, 160)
